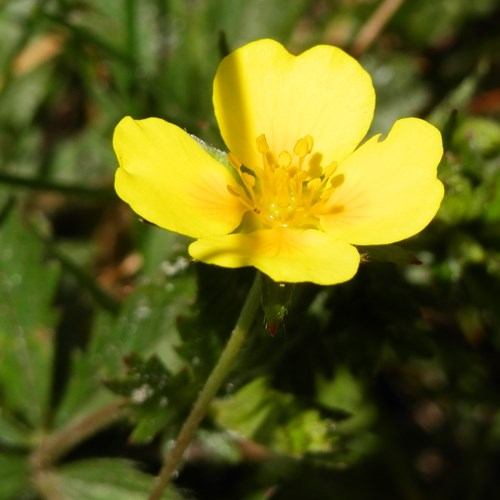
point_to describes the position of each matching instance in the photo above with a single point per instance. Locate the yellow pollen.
(314, 184)
(248, 179)
(337, 180)
(304, 146)
(284, 159)
(285, 188)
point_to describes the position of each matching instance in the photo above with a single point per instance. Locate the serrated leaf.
(145, 381)
(147, 321)
(251, 410)
(145, 324)
(342, 392)
(27, 286)
(274, 419)
(305, 433)
(149, 425)
(156, 397)
(345, 394)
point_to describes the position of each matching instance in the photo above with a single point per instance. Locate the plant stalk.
(209, 391)
(57, 444)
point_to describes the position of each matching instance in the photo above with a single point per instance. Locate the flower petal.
(168, 179)
(286, 255)
(390, 190)
(263, 89)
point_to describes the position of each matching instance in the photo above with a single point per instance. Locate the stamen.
(337, 180)
(329, 169)
(262, 144)
(314, 184)
(282, 190)
(248, 179)
(234, 160)
(242, 195)
(284, 159)
(235, 190)
(303, 146)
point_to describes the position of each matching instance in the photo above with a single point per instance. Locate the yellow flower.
(297, 192)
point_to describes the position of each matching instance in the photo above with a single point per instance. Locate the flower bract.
(299, 188)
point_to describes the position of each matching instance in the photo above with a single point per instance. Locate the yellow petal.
(263, 89)
(168, 179)
(389, 190)
(286, 255)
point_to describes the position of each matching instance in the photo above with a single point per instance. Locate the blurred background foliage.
(387, 386)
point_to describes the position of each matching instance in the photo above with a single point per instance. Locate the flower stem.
(207, 394)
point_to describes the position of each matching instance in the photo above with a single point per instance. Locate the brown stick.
(374, 26)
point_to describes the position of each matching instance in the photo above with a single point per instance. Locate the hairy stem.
(57, 444)
(209, 391)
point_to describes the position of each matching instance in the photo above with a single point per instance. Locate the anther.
(329, 169)
(314, 184)
(248, 179)
(235, 191)
(287, 188)
(337, 180)
(284, 159)
(303, 146)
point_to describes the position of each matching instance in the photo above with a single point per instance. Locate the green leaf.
(102, 479)
(27, 286)
(345, 394)
(274, 419)
(156, 397)
(251, 410)
(306, 432)
(219, 445)
(146, 324)
(12, 432)
(14, 476)
(480, 134)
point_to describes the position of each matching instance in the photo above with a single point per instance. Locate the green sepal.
(388, 253)
(216, 153)
(276, 298)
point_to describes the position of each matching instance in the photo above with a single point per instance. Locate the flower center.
(286, 190)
